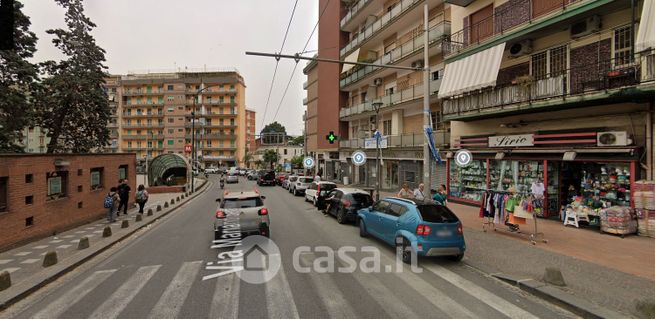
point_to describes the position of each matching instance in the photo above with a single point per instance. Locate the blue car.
(427, 228)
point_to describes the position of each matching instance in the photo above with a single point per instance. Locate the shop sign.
(371, 143)
(511, 140)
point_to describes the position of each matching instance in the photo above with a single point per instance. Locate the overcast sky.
(141, 35)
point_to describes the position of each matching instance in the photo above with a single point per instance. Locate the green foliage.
(296, 161)
(275, 127)
(18, 84)
(271, 157)
(298, 140)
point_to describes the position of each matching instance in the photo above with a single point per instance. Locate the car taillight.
(220, 214)
(346, 203)
(423, 230)
(263, 212)
(460, 229)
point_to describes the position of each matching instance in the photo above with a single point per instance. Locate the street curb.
(31, 285)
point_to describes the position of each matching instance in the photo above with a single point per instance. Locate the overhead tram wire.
(277, 62)
(296, 65)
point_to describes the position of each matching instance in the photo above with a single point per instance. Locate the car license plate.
(443, 233)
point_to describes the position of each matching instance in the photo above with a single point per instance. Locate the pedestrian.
(111, 203)
(141, 197)
(419, 193)
(124, 193)
(440, 196)
(405, 192)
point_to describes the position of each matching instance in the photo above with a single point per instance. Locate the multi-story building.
(113, 89)
(157, 112)
(390, 33)
(285, 153)
(34, 140)
(557, 90)
(250, 130)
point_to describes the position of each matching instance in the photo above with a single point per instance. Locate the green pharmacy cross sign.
(331, 137)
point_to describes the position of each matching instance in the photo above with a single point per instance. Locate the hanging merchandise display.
(509, 208)
(470, 182)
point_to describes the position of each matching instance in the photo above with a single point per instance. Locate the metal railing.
(353, 11)
(143, 114)
(408, 94)
(603, 76)
(441, 137)
(380, 23)
(407, 48)
(142, 92)
(143, 125)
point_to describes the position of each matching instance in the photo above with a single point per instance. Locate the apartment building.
(250, 131)
(112, 88)
(557, 90)
(34, 140)
(157, 112)
(391, 33)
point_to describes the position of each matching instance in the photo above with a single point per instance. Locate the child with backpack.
(112, 200)
(141, 197)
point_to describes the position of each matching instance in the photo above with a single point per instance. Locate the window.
(80, 188)
(122, 172)
(149, 100)
(96, 178)
(3, 193)
(29, 200)
(550, 63)
(80, 172)
(171, 120)
(170, 87)
(232, 87)
(29, 178)
(170, 131)
(397, 210)
(436, 75)
(622, 46)
(285, 151)
(179, 130)
(381, 206)
(149, 143)
(231, 121)
(160, 100)
(388, 91)
(171, 109)
(56, 182)
(232, 99)
(171, 142)
(386, 127)
(170, 98)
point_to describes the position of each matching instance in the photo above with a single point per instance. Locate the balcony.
(353, 11)
(217, 90)
(142, 92)
(604, 80)
(435, 35)
(142, 115)
(134, 105)
(190, 102)
(214, 136)
(408, 94)
(143, 125)
(403, 7)
(218, 148)
(441, 138)
(305, 85)
(212, 125)
(304, 101)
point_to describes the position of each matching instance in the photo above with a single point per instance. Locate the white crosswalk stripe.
(59, 306)
(123, 295)
(225, 303)
(336, 305)
(384, 297)
(279, 300)
(170, 303)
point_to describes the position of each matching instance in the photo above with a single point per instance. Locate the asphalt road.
(158, 273)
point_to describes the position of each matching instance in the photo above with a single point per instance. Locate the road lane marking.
(10, 270)
(390, 303)
(23, 253)
(117, 302)
(29, 261)
(225, 303)
(335, 304)
(63, 246)
(65, 301)
(56, 241)
(40, 247)
(5, 261)
(279, 299)
(501, 305)
(170, 303)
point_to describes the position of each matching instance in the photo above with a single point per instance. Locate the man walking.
(419, 193)
(124, 193)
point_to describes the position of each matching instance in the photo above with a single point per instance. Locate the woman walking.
(141, 197)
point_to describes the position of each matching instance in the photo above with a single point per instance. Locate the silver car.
(232, 178)
(242, 211)
(300, 185)
(288, 181)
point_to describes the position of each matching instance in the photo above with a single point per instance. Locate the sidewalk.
(605, 269)
(25, 264)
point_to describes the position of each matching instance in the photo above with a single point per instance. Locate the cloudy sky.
(141, 35)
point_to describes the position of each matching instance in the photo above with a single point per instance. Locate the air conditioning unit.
(520, 48)
(617, 138)
(417, 64)
(377, 81)
(585, 27)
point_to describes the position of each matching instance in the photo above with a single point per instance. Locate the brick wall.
(507, 75)
(511, 14)
(166, 189)
(80, 205)
(587, 64)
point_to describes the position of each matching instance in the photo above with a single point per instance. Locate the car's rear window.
(306, 179)
(243, 202)
(270, 175)
(325, 188)
(437, 214)
(364, 199)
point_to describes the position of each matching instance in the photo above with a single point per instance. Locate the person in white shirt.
(419, 193)
(538, 189)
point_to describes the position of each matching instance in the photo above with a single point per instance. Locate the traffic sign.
(308, 162)
(187, 148)
(359, 158)
(463, 158)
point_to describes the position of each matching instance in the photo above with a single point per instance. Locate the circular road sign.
(359, 158)
(463, 158)
(308, 162)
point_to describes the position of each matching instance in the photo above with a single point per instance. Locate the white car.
(317, 189)
(288, 181)
(211, 170)
(232, 178)
(300, 185)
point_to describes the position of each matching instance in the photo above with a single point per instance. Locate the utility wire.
(293, 73)
(277, 62)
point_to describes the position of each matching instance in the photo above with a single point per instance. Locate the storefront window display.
(517, 174)
(597, 185)
(553, 189)
(470, 182)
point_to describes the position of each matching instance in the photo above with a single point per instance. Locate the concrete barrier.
(554, 277)
(149, 213)
(172, 201)
(5, 280)
(106, 232)
(83, 243)
(125, 224)
(165, 205)
(50, 259)
(177, 199)
(139, 217)
(159, 208)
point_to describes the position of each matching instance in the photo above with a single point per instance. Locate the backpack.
(109, 201)
(141, 196)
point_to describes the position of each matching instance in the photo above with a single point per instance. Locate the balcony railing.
(142, 92)
(218, 148)
(353, 11)
(153, 103)
(214, 136)
(441, 137)
(435, 34)
(211, 125)
(142, 115)
(143, 125)
(379, 24)
(305, 101)
(217, 90)
(587, 79)
(408, 94)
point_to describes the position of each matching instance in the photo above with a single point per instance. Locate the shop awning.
(473, 72)
(351, 58)
(646, 32)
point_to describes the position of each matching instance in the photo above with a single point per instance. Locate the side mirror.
(262, 197)
(218, 200)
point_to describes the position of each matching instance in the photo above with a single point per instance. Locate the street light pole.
(426, 98)
(193, 144)
(378, 136)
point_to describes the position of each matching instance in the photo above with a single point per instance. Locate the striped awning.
(646, 32)
(473, 72)
(353, 57)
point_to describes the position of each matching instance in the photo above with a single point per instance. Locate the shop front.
(577, 170)
(396, 167)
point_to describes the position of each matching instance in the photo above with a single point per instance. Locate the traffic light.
(331, 137)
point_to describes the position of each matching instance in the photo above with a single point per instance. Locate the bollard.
(172, 201)
(159, 208)
(553, 276)
(139, 217)
(166, 205)
(177, 199)
(84, 243)
(106, 232)
(149, 212)
(50, 259)
(5, 280)
(125, 224)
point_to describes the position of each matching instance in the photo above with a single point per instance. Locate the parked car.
(267, 178)
(427, 228)
(279, 179)
(253, 175)
(250, 210)
(317, 189)
(232, 178)
(211, 170)
(286, 184)
(343, 203)
(300, 185)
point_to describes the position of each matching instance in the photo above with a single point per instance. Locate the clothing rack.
(489, 221)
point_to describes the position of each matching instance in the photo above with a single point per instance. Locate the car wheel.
(457, 258)
(295, 192)
(362, 229)
(406, 251)
(341, 217)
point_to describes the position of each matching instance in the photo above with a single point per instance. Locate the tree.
(298, 140)
(74, 107)
(259, 164)
(269, 138)
(296, 161)
(247, 158)
(18, 83)
(271, 157)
